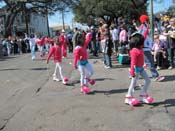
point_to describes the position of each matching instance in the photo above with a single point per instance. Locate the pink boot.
(41, 55)
(146, 99)
(65, 80)
(91, 81)
(85, 89)
(130, 100)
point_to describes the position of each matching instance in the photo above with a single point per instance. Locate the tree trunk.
(8, 24)
(48, 30)
(26, 18)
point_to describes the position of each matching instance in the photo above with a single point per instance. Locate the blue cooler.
(124, 59)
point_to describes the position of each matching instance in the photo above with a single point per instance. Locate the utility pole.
(62, 12)
(48, 29)
(151, 20)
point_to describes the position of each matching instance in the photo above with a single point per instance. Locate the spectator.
(159, 52)
(170, 33)
(143, 29)
(123, 39)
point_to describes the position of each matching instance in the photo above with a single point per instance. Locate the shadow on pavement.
(110, 92)
(3, 58)
(72, 83)
(166, 103)
(9, 69)
(39, 59)
(44, 68)
(114, 66)
(169, 78)
(102, 79)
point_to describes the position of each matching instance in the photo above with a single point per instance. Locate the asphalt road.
(31, 101)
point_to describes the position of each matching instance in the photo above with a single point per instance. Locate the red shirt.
(56, 52)
(137, 59)
(80, 54)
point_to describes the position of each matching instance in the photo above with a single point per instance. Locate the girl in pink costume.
(136, 69)
(63, 42)
(41, 43)
(57, 54)
(81, 62)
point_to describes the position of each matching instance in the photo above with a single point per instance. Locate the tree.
(108, 10)
(171, 11)
(14, 7)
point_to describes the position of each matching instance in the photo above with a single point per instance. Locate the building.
(57, 29)
(36, 23)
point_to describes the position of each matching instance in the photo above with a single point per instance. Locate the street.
(31, 101)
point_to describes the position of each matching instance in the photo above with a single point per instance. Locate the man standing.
(170, 33)
(143, 29)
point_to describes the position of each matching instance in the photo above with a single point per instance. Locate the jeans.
(107, 60)
(32, 47)
(115, 45)
(149, 59)
(171, 53)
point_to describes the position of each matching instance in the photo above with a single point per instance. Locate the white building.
(37, 23)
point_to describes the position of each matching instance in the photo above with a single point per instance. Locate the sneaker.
(85, 89)
(33, 57)
(130, 100)
(146, 99)
(107, 67)
(158, 68)
(91, 81)
(55, 79)
(160, 78)
(170, 68)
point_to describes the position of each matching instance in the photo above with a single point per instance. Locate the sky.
(159, 5)
(56, 19)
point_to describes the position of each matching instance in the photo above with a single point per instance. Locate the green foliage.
(171, 11)
(87, 11)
